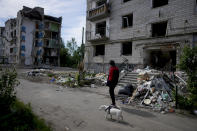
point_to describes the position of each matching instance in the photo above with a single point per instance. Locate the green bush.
(7, 94)
(51, 75)
(188, 63)
(22, 119)
(14, 115)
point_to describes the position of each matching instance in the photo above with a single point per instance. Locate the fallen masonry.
(156, 90)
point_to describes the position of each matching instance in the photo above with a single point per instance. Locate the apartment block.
(33, 38)
(2, 45)
(139, 32)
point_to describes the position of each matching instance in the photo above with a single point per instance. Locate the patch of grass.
(51, 75)
(21, 118)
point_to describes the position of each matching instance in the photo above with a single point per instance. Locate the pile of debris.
(101, 79)
(39, 72)
(155, 90)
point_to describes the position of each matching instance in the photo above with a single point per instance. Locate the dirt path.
(77, 110)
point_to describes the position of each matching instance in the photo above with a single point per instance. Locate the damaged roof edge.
(38, 13)
(12, 20)
(51, 18)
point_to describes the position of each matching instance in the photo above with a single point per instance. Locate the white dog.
(110, 110)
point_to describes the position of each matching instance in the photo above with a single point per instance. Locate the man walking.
(112, 80)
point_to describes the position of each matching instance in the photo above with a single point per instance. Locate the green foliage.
(188, 63)
(51, 75)
(71, 55)
(72, 46)
(14, 115)
(62, 44)
(22, 119)
(7, 94)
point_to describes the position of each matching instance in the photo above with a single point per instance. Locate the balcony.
(52, 43)
(101, 34)
(98, 12)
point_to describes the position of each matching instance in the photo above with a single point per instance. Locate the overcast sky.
(72, 11)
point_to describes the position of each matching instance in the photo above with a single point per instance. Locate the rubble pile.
(39, 72)
(101, 79)
(63, 79)
(153, 91)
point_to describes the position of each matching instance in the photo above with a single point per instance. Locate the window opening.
(54, 35)
(127, 48)
(159, 3)
(99, 3)
(99, 50)
(127, 21)
(11, 50)
(37, 34)
(126, 0)
(159, 29)
(101, 29)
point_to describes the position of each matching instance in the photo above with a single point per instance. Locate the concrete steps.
(129, 78)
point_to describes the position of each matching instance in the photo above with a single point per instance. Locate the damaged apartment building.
(139, 32)
(33, 38)
(2, 45)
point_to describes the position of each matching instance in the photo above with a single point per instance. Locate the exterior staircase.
(129, 78)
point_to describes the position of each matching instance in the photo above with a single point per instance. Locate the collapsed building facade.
(33, 38)
(140, 32)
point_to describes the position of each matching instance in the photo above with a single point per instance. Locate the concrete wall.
(10, 43)
(29, 40)
(182, 23)
(2, 44)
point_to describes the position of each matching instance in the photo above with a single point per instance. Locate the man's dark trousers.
(111, 92)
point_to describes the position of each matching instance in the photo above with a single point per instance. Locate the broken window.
(159, 29)
(99, 50)
(127, 48)
(158, 3)
(126, 0)
(46, 25)
(37, 34)
(101, 2)
(196, 6)
(46, 43)
(14, 33)
(54, 35)
(37, 25)
(127, 21)
(11, 50)
(47, 34)
(101, 29)
(36, 43)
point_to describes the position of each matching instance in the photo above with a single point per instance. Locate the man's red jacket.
(113, 76)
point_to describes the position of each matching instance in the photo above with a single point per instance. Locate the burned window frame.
(129, 24)
(160, 34)
(127, 45)
(156, 6)
(100, 53)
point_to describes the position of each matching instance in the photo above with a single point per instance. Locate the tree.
(72, 46)
(64, 57)
(62, 43)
